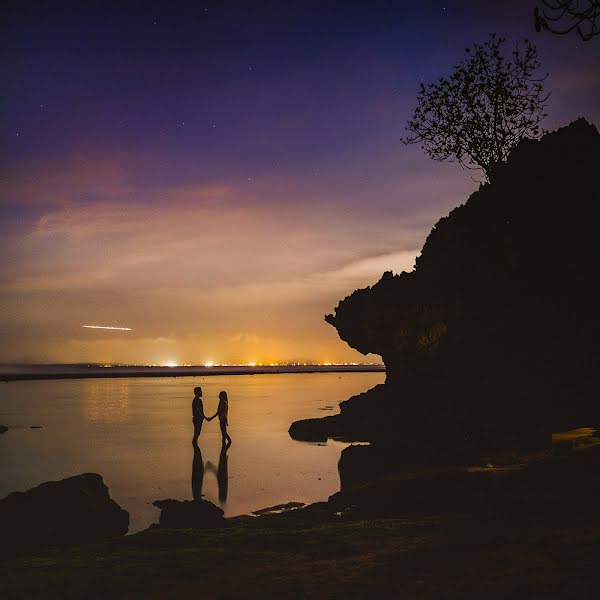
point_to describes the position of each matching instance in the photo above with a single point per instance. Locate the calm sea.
(137, 434)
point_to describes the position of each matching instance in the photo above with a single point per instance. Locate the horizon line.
(192, 365)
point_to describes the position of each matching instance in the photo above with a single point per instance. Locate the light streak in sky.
(106, 327)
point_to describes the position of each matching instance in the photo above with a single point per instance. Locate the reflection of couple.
(198, 415)
(221, 473)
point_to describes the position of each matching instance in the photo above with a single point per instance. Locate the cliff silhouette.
(491, 342)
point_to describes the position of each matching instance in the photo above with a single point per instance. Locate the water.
(137, 434)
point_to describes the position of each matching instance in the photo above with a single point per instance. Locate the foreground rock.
(354, 423)
(562, 481)
(73, 510)
(194, 514)
(314, 430)
(278, 509)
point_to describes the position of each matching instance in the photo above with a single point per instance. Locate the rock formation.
(540, 484)
(195, 514)
(73, 510)
(490, 342)
(3, 428)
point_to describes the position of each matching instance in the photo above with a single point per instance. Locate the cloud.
(204, 270)
(244, 338)
(200, 245)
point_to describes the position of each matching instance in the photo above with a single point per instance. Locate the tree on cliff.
(563, 16)
(487, 105)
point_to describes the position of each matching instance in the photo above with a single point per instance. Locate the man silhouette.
(198, 415)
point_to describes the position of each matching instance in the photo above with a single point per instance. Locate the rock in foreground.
(313, 430)
(73, 510)
(195, 514)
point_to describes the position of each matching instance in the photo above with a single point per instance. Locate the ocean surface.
(136, 432)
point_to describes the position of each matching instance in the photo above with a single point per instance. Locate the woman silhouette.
(222, 413)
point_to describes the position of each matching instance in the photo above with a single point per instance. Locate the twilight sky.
(218, 175)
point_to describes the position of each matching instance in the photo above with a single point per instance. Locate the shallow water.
(137, 434)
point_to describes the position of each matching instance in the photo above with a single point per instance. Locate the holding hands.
(199, 415)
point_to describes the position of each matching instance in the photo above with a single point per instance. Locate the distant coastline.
(41, 372)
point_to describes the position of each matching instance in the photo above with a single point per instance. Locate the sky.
(217, 176)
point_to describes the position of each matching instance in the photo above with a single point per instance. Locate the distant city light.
(171, 363)
(209, 363)
(106, 327)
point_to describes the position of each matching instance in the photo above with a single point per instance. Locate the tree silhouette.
(563, 16)
(487, 105)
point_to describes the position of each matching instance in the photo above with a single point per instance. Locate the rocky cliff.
(491, 342)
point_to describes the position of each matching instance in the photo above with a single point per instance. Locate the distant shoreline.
(33, 373)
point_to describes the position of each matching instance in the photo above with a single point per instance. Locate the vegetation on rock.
(486, 106)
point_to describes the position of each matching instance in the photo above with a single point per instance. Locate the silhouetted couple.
(198, 415)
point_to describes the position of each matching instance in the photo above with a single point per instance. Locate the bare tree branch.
(483, 109)
(563, 16)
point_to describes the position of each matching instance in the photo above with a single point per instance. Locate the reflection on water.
(221, 473)
(197, 474)
(107, 401)
(136, 434)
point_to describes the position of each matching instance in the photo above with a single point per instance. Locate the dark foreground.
(451, 557)
(526, 527)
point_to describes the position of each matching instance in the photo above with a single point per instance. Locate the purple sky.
(218, 175)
